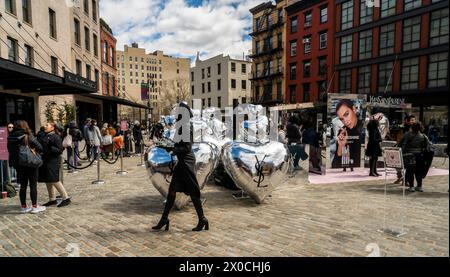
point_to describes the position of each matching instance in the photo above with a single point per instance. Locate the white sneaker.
(38, 209)
(25, 210)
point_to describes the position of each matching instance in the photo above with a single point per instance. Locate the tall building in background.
(399, 49)
(219, 80)
(309, 50)
(167, 77)
(268, 37)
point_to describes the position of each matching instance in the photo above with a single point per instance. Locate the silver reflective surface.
(159, 164)
(256, 168)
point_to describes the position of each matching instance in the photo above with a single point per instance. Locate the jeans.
(27, 176)
(72, 160)
(94, 152)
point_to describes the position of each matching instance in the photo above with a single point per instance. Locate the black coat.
(52, 150)
(15, 140)
(373, 146)
(184, 178)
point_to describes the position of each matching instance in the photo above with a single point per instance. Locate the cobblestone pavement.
(299, 219)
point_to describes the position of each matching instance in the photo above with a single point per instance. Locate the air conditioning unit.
(308, 24)
(306, 40)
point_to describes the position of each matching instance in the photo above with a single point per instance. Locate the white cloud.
(214, 27)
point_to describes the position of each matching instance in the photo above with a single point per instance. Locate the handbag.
(29, 158)
(67, 142)
(107, 140)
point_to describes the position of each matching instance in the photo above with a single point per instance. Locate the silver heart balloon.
(256, 168)
(160, 163)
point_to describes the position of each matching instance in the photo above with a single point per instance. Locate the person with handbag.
(50, 170)
(107, 140)
(414, 144)
(24, 156)
(294, 141)
(373, 150)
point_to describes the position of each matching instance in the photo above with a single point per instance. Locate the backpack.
(67, 142)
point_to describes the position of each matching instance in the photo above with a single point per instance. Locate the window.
(12, 50)
(244, 84)
(76, 25)
(219, 84)
(244, 68)
(96, 76)
(365, 44)
(307, 69)
(346, 49)
(365, 12)
(364, 79)
(79, 70)
(293, 71)
(87, 39)
(294, 24)
(280, 91)
(219, 69)
(280, 66)
(280, 15)
(233, 67)
(52, 23)
(345, 81)
(29, 56)
(203, 87)
(10, 6)
(306, 92)
(347, 15)
(387, 7)
(203, 73)
(106, 79)
(111, 56)
(293, 48)
(208, 70)
(411, 33)
(86, 6)
(203, 102)
(219, 102)
(384, 77)
(209, 86)
(233, 83)
(88, 72)
(113, 85)
(322, 65)
(410, 74)
(323, 14)
(105, 52)
(292, 94)
(439, 27)
(94, 10)
(307, 44)
(192, 90)
(280, 40)
(54, 64)
(268, 44)
(269, 20)
(26, 11)
(438, 70)
(323, 40)
(412, 4)
(308, 19)
(192, 76)
(387, 39)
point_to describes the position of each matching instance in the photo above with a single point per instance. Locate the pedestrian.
(21, 135)
(86, 126)
(294, 140)
(94, 137)
(76, 136)
(433, 132)
(138, 138)
(13, 171)
(49, 172)
(409, 121)
(373, 150)
(107, 140)
(415, 143)
(281, 134)
(184, 178)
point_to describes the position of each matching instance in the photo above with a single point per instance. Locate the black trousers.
(27, 176)
(415, 171)
(373, 164)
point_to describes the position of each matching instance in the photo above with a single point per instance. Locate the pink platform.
(360, 175)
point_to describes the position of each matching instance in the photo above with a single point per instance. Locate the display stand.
(393, 162)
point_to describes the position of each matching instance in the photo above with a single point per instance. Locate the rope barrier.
(78, 155)
(79, 168)
(106, 159)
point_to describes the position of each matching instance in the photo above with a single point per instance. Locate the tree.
(172, 92)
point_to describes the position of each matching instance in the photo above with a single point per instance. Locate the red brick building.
(109, 66)
(398, 49)
(309, 50)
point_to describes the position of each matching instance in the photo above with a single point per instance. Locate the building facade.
(167, 78)
(399, 49)
(219, 80)
(268, 37)
(309, 50)
(108, 57)
(36, 42)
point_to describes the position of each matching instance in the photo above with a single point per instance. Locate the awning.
(15, 76)
(117, 100)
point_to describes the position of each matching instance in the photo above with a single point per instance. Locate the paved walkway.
(300, 219)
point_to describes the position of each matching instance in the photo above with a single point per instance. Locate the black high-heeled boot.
(202, 223)
(163, 222)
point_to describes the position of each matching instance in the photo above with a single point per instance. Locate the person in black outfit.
(138, 139)
(373, 146)
(184, 178)
(21, 135)
(294, 139)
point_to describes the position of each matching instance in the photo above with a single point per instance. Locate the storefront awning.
(15, 76)
(117, 100)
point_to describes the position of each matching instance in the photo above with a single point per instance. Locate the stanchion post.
(98, 181)
(121, 172)
(142, 155)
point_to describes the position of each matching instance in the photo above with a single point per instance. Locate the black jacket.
(15, 140)
(137, 133)
(52, 150)
(373, 145)
(293, 133)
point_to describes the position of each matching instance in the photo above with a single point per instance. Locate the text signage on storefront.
(77, 80)
(4, 144)
(380, 101)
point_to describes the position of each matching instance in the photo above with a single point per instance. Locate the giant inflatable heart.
(160, 164)
(256, 168)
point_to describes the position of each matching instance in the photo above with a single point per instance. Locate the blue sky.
(182, 27)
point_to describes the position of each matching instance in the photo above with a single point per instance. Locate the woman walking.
(184, 178)
(21, 136)
(373, 146)
(50, 170)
